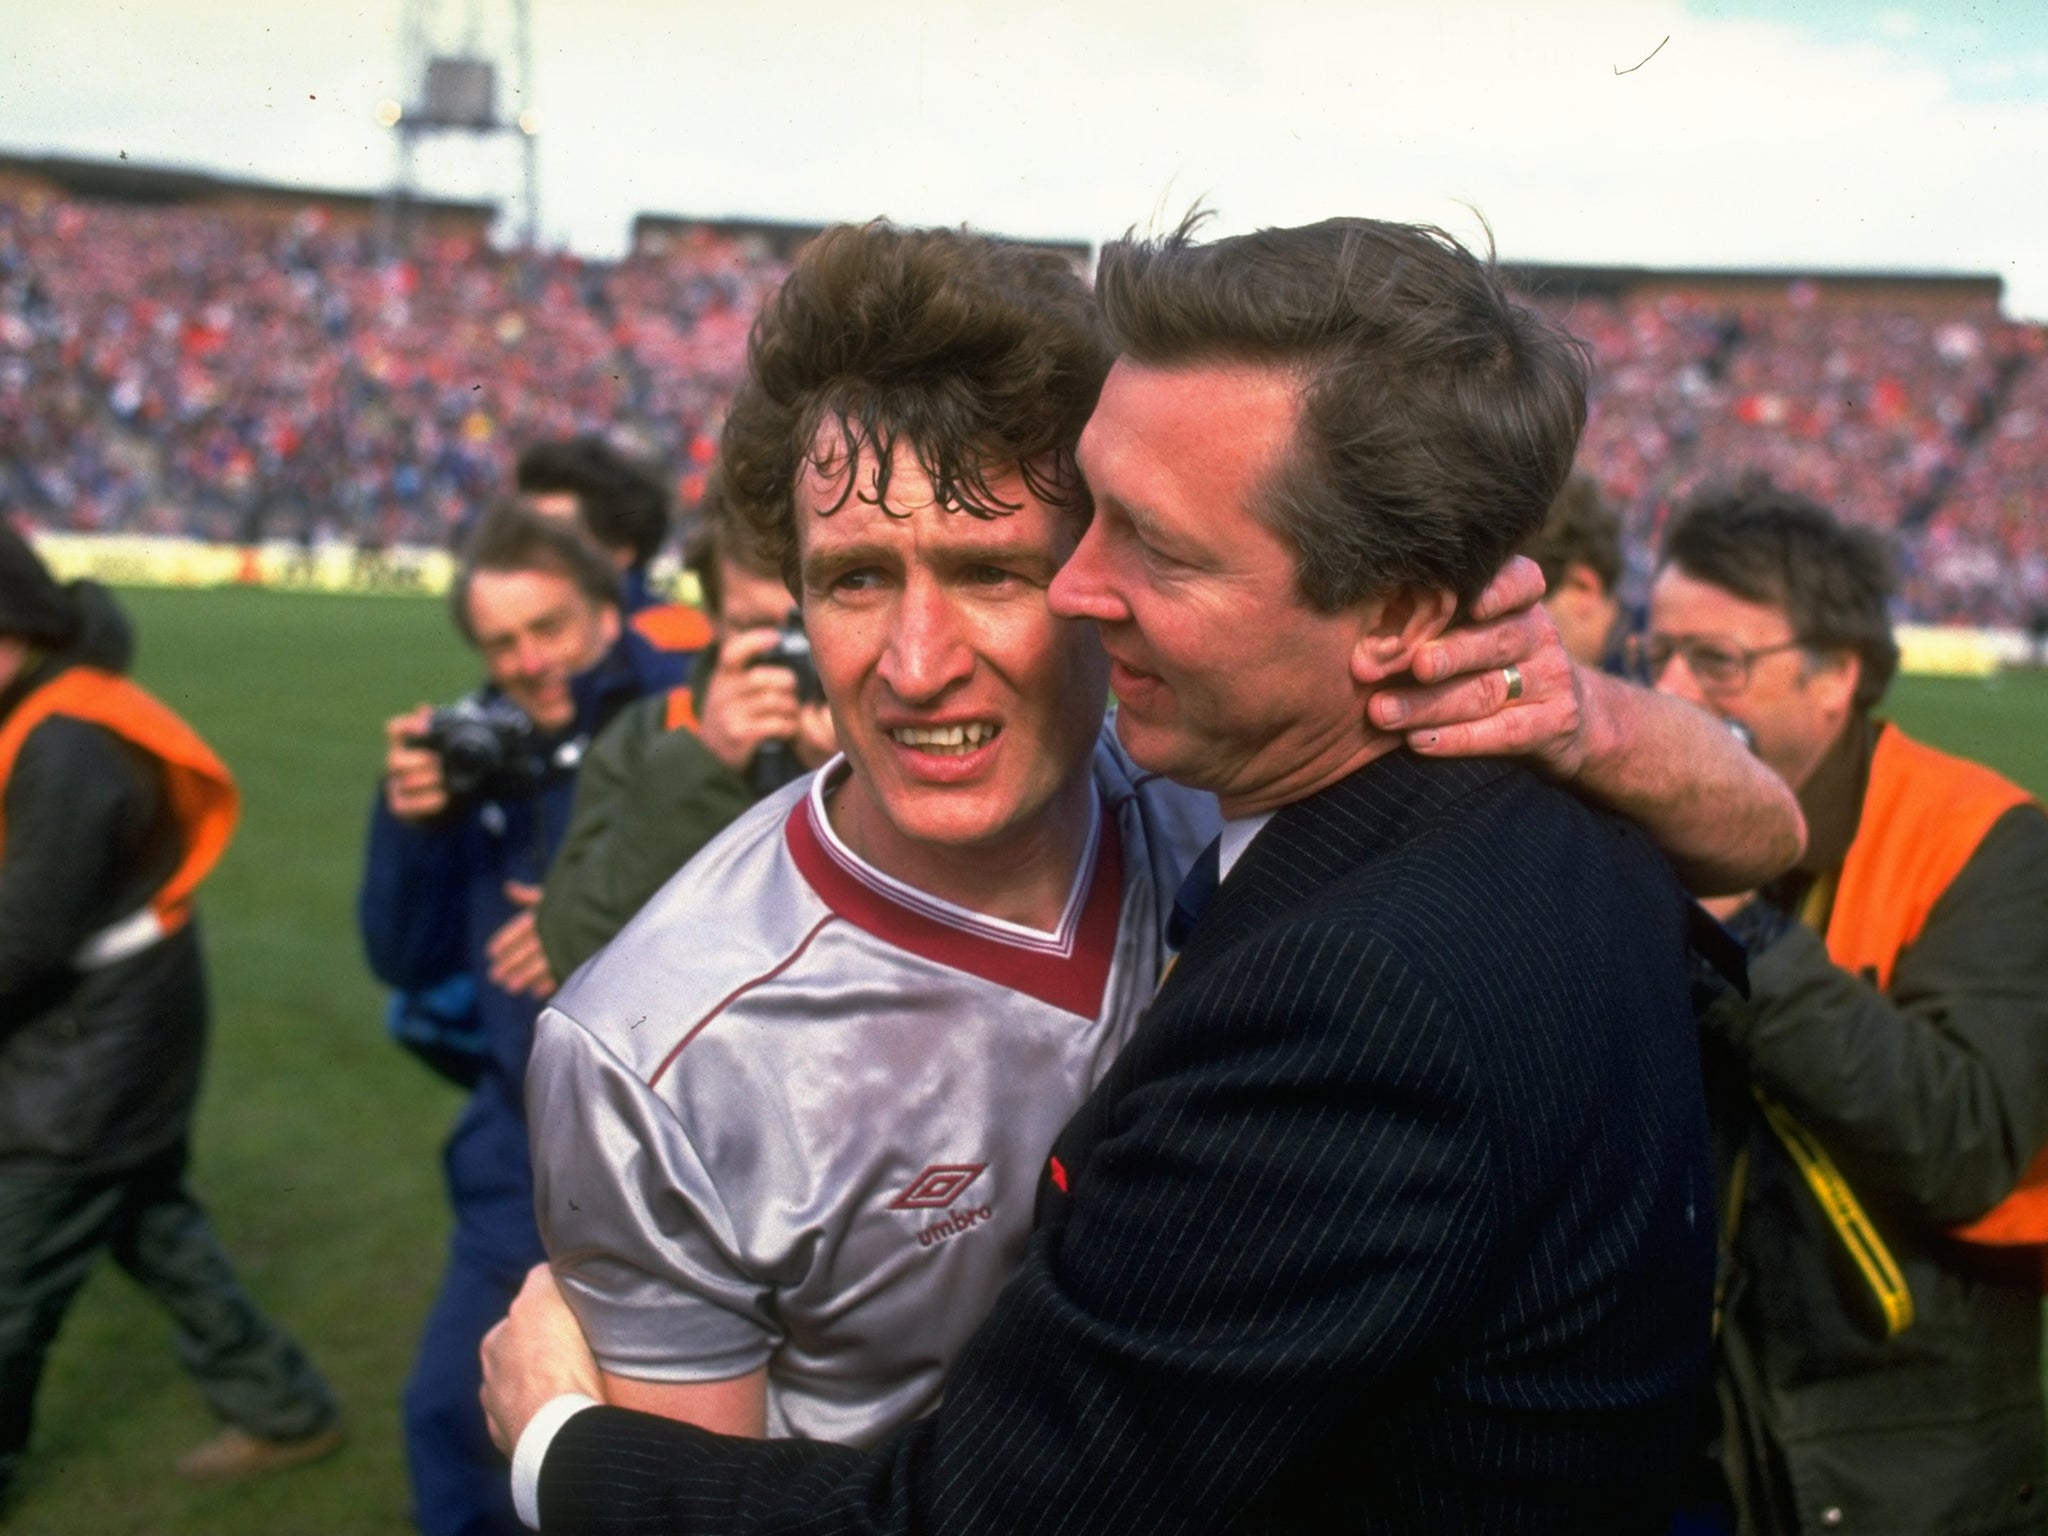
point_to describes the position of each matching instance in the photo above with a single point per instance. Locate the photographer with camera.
(667, 775)
(474, 801)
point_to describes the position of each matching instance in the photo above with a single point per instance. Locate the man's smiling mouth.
(946, 740)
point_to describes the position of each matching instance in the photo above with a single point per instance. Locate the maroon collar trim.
(1068, 970)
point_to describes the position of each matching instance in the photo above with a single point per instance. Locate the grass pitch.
(317, 1141)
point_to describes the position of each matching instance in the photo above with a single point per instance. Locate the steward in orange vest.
(112, 811)
(1878, 1099)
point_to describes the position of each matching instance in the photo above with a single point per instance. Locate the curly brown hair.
(977, 356)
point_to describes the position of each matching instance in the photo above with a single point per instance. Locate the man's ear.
(1392, 628)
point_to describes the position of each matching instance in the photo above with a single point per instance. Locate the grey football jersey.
(796, 1113)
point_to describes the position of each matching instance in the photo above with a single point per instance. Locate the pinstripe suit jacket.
(1394, 1216)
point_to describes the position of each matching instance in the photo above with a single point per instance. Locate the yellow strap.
(1819, 904)
(1845, 1214)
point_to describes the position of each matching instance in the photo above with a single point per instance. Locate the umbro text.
(953, 1225)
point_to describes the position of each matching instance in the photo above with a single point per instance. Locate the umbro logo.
(937, 1187)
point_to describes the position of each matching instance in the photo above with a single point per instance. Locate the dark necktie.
(1192, 899)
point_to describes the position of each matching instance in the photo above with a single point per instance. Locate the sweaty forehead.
(833, 519)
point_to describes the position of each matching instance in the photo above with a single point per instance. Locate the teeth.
(945, 738)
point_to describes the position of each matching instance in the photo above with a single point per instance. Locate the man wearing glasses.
(1884, 1089)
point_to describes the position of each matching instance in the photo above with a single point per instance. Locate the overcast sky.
(1710, 133)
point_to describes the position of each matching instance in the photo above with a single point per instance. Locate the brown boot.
(234, 1454)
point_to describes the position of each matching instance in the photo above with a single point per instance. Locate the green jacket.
(647, 798)
(1931, 1098)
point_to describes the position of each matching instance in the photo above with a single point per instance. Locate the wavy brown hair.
(1439, 417)
(977, 356)
(1832, 580)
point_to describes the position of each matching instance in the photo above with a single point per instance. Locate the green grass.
(317, 1143)
(2002, 721)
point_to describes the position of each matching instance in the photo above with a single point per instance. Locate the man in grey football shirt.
(789, 1126)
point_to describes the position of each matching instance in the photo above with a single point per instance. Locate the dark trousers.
(54, 1226)
(461, 1485)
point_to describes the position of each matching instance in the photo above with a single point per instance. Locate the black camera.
(793, 651)
(774, 763)
(488, 749)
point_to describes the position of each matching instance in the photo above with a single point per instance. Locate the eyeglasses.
(1716, 662)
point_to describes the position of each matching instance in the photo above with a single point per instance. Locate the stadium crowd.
(239, 376)
(1295, 885)
(1922, 427)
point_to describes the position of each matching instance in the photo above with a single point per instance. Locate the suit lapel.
(1304, 850)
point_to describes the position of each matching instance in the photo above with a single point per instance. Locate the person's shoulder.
(735, 912)
(68, 757)
(1489, 818)
(654, 667)
(2012, 858)
(58, 737)
(645, 717)
(1447, 860)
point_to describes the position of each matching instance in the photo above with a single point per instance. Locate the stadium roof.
(783, 236)
(126, 181)
(1971, 291)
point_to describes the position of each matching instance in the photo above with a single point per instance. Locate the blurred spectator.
(1579, 550)
(620, 504)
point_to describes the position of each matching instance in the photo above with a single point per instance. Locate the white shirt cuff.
(532, 1450)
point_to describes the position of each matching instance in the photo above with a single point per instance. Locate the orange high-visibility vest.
(203, 797)
(681, 711)
(1924, 816)
(673, 627)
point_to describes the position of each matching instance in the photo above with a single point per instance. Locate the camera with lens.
(792, 650)
(488, 748)
(774, 763)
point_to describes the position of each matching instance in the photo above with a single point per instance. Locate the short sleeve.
(634, 1222)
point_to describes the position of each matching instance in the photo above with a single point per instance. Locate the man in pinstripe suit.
(1394, 1215)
